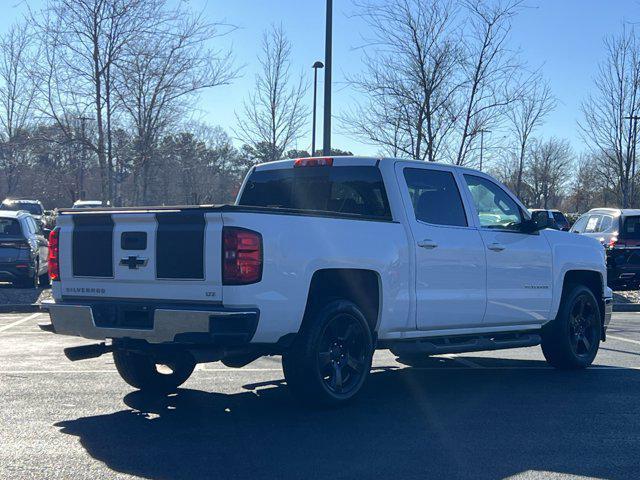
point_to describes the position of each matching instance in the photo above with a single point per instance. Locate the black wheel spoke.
(324, 358)
(336, 378)
(348, 334)
(354, 364)
(586, 343)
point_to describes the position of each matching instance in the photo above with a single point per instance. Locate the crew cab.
(322, 261)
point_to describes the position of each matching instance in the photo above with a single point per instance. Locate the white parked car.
(323, 260)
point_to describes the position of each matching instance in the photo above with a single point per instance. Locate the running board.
(439, 345)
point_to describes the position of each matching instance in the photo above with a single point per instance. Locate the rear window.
(10, 227)
(348, 190)
(631, 228)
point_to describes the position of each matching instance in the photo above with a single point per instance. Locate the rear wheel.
(145, 373)
(44, 280)
(331, 358)
(571, 341)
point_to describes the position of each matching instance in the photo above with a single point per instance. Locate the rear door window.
(631, 228)
(435, 197)
(354, 190)
(593, 224)
(605, 223)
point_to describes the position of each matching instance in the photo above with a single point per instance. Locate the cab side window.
(495, 208)
(593, 224)
(435, 197)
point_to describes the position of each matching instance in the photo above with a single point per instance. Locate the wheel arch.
(360, 286)
(593, 281)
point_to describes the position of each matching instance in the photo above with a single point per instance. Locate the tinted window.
(435, 197)
(495, 208)
(578, 227)
(10, 227)
(560, 219)
(631, 228)
(351, 190)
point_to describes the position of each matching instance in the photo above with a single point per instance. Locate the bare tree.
(274, 115)
(604, 128)
(490, 68)
(409, 79)
(549, 171)
(17, 93)
(81, 41)
(527, 113)
(160, 75)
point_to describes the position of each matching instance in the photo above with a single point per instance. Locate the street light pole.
(482, 132)
(326, 138)
(315, 67)
(633, 123)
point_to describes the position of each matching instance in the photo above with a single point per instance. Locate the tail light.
(54, 254)
(241, 256)
(313, 162)
(614, 243)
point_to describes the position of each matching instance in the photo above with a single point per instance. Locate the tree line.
(96, 100)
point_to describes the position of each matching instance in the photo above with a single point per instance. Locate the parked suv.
(619, 231)
(555, 218)
(23, 250)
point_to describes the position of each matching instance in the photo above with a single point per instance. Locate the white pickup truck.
(322, 261)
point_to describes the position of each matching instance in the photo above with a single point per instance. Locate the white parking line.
(18, 322)
(622, 339)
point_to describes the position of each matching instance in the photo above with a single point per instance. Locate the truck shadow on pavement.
(408, 423)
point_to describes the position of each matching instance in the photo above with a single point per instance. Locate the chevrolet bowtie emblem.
(133, 262)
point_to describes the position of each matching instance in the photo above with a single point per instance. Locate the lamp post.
(315, 67)
(326, 137)
(633, 124)
(482, 132)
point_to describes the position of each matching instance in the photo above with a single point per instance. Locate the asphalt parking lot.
(492, 415)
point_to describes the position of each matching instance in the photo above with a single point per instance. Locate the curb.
(20, 308)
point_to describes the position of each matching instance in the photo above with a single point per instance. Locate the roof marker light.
(313, 162)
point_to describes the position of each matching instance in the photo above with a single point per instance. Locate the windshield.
(351, 190)
(9, 227)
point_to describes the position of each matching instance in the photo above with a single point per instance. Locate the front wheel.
(571, 341)
(147, 374)
(331, 358)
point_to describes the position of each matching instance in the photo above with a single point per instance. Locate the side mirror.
(539, 221)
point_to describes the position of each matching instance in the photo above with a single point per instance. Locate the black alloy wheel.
(342, 359)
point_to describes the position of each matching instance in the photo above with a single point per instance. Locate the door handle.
(428, 244)
(496, 247)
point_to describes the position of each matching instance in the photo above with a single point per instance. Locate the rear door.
(519, 265)
(161, 255)
(450, 277)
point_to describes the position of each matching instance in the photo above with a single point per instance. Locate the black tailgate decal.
(180, 245)
(92, 245)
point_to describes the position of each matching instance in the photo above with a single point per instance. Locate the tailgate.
(162, 255)
(12, 249)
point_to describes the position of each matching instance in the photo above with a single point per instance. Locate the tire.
(141, 372)
(331, 358)
(571, 341)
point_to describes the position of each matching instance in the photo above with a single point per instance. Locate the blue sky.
(563, 37)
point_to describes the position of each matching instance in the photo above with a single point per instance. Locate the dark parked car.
(619, 231)
(555, 218)
(24, 250)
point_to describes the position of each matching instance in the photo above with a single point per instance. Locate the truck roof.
(345, 161)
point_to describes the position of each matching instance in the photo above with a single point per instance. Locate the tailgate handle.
(133, 240)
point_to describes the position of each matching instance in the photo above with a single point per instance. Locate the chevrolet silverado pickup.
(322, 261)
